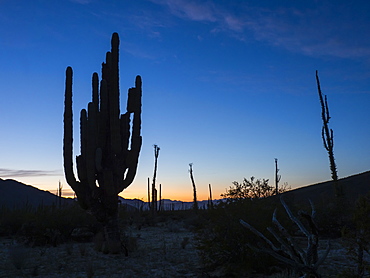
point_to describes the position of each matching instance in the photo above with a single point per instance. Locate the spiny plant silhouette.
(277, 177)
(210, 200)
(195, 203)
(153, 204)
(106, 165)
(287, 249)
(328, 137)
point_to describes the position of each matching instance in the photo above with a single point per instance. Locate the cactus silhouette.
(328, 138)
(154, 205)
(106, 165)
(277, 177)
(195, 203)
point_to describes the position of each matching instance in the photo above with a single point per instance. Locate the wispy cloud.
(203, 12)
(190, 9)
(330, 30)
(138, 51)
(12, 173)
(311, 33)
(147, 22)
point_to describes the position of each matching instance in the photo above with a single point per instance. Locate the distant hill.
(353, 187)
(167, 204)
(14, 194)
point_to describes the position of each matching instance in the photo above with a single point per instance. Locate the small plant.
(285, 274)
(82, 248)
(184, 242)
(130, 242)
(223, 243)
(357, 235)
(90, 269)
(98, 241)
(68, 247)
(35, 271)
(18, 255)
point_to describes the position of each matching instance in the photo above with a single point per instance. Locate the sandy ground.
(166, 250)
(161, 251)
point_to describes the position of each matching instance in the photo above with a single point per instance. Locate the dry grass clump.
(18, 255)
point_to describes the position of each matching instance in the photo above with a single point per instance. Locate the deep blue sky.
(227, 86)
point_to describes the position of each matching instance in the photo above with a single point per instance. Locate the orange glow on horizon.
(69, 193)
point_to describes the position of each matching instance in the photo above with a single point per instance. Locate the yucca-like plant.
(287, 250)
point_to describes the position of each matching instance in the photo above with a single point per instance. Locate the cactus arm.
(91, 145)
(95, 90)
(68, 132)
(81, 159)
(125, 131)
(133, 106)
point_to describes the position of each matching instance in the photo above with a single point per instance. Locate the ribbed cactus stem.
(68, 132)
(95, 90)
(114, 97)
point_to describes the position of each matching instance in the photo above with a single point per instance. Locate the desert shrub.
(356, 236)
(11, 220)
(185, 242)
(130, 242)
(224, 243)
(332, 215)
(45, 224)
(18, 255)
(252, 189)
(90, 269)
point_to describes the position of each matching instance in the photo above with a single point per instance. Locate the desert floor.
(165, 250)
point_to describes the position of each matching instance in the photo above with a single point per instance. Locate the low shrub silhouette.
(223, 242)
(43, 225)
(252, 189)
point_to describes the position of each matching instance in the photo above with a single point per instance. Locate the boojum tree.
(195, 202)
(110, 145)
(328, 138)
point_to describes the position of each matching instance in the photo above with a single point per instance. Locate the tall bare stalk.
(195, 203)
(328, 137)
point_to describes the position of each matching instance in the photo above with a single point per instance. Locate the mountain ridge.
(16, 194)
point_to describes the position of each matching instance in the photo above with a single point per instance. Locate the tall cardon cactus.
(110, 147)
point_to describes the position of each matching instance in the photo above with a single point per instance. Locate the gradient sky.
(227, 86)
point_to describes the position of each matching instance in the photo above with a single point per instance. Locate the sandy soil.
(161, 251)
(166, 250)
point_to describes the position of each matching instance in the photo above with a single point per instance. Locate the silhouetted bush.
(333, 215)
(43, 225)
(253, 188)
(223, 241)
